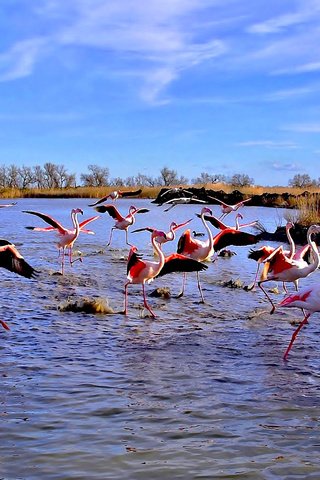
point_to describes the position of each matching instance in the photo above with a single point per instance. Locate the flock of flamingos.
(278, 263)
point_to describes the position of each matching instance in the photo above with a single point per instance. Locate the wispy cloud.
(303, 127)
(20, 59)
(286, 167)
(268, 144)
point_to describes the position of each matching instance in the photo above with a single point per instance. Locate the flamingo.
(180, 201)
(262, 253)
(226, 209)
(169, 236)
(285, 269)
(66, 236)
(4, 205)
(197, 249)
(141, 271)
(122, 223)
(117, 194)
(12, 260)
(309, 300)
(216, 222)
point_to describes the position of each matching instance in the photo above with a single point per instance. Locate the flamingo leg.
(295, 333)
(145, 303)
(126, 298)
(266, 294)
(199, 287)
(111, 232)
(183, 285)
(127, 241)
(62, 260)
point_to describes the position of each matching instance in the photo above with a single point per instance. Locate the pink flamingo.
(12, 260)
(199, 250)
(216, 222)
(122, 223)
(141, 272)
(309, 300)
(262, 253)
(66, 236)
(279, 267)
(4, 205)
(170, 236)
(226, 209)
(117, 194)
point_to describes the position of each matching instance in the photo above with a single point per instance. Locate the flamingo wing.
(48, 219)
(88, 220)
(142, 210)
(131, 193)
(234, 237)
(214, 221)
(219, 201)
(186, 244)
(13, 261)
(180, 263)
(135, 264)
(99, 201)
(179, 225)
(111, 209)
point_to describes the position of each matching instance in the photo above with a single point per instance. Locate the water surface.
(199, 392)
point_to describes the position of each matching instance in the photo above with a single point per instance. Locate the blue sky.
(217, 86)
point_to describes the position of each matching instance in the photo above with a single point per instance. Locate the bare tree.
(241, 180)
(13, 177)
(302, 181)
(97, 176)
(38, 177)
(26, 177)
(3, 176)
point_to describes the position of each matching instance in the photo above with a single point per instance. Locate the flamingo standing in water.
(66, 236)
(122, 223)
(226, 209)
(12, 260)
(309, 300)
(199, 250)
(141, 271)
(117, 194)
(279, 267)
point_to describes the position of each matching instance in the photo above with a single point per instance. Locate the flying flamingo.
(12, 260)
(122, 223)
(309, 300)
(170, 236)
(66, 236)
(226, 209)
(141, 271)
(181, 201)
(117, 194)
(281, 268)
(4, 205)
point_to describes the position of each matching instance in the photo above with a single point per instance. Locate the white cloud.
(20, 59)
(303, 127)
(268, 144)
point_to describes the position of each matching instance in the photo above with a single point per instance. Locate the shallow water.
(199, 392)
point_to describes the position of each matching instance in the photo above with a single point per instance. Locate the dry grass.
(307, 211)
(147, 192)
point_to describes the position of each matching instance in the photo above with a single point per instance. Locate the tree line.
(54, 176)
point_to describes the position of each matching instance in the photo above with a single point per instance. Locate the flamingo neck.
(75, 222)
(160, 253)
(210, 237)
(291, 243)
(315, 254)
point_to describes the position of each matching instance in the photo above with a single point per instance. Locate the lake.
(199, 392)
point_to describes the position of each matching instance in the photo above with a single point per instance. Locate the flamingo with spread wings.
(141, 271)
(122, 223)
(169, 236)
(12, 260)
(117, 194)
(66, 236)
(226, 209)
(280, 267)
